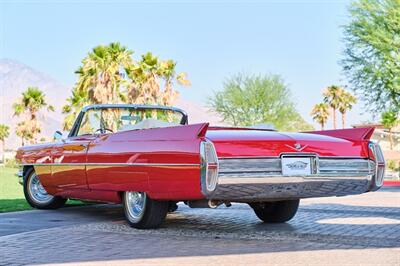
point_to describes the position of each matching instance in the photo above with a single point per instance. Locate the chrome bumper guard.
(261, 179)
(20, 175)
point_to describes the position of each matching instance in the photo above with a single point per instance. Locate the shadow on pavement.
(101, 234)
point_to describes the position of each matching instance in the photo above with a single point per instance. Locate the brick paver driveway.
(352, 230)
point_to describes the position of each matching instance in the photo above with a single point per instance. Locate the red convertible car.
(149, 158)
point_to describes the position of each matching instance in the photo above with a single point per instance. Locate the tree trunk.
(322, 126)
(390, 139)
(334, 118)
(343, 119)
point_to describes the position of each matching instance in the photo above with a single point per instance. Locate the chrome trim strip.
(277, 157)
(134, 106)
(114, 164)
(280, 179)
(253, 165)
(265, 175)
(259, 167)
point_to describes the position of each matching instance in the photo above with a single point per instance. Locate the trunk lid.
(244, 142)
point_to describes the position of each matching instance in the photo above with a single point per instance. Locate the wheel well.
(26, 168)
(121, 195)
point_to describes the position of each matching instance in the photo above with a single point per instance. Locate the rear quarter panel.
(164, 162)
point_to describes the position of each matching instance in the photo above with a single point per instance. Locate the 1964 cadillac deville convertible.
(149, 158)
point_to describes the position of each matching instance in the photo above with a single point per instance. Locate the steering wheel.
(103, 130)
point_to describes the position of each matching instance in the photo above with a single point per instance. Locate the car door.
(69, 156)
(69, 163)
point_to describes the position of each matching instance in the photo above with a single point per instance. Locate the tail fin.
(183, 132)
(352, 134)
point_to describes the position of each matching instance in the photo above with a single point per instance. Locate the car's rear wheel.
(276, 211)
(37, 196)
(142, 212)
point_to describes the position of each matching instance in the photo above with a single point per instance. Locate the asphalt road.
(363, 230)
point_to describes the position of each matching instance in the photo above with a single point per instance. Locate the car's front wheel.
(276, 211)
(142, 212)
(37, 196)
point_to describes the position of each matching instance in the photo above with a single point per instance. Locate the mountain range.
(16, 77)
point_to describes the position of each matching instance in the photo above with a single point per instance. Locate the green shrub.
(393, 165)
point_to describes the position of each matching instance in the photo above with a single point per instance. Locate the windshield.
(117, 119)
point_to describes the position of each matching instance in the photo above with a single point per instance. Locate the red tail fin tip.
(352, 134)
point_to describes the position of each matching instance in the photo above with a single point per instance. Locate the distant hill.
(15, 77)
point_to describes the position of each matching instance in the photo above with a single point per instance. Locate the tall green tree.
(320, 114)
(372, 52)
(251, 100)
(4, 133)
(346, 104)
(32, 101)
(333, 97)
(389, 120)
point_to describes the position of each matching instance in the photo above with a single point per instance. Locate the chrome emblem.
(298, 165)
(296, 147)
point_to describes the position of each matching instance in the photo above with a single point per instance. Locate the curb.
(391, 183)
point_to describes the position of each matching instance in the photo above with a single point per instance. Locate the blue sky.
(210, 40)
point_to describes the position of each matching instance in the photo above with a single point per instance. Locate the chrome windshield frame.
(77, 123)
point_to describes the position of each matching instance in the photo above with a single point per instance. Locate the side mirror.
(57, 136)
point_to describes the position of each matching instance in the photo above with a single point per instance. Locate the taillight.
(379, 171)
(209, 167)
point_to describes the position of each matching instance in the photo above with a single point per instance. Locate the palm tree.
(4, 133)
(76, 102)
(332, 96)
(31, 102)
(346, 104)
(101, 72)
(320, 114)
(389, 120)
(147, 78)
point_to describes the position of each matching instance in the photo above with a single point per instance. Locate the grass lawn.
(12, 194)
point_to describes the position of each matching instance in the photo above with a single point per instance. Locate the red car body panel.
(252, 143)
(84, 156)
(165, 162)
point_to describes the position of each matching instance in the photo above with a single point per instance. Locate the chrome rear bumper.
(248, 189)
(261, 179)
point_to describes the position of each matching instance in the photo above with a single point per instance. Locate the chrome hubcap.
(135, 203)
(37, 191)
